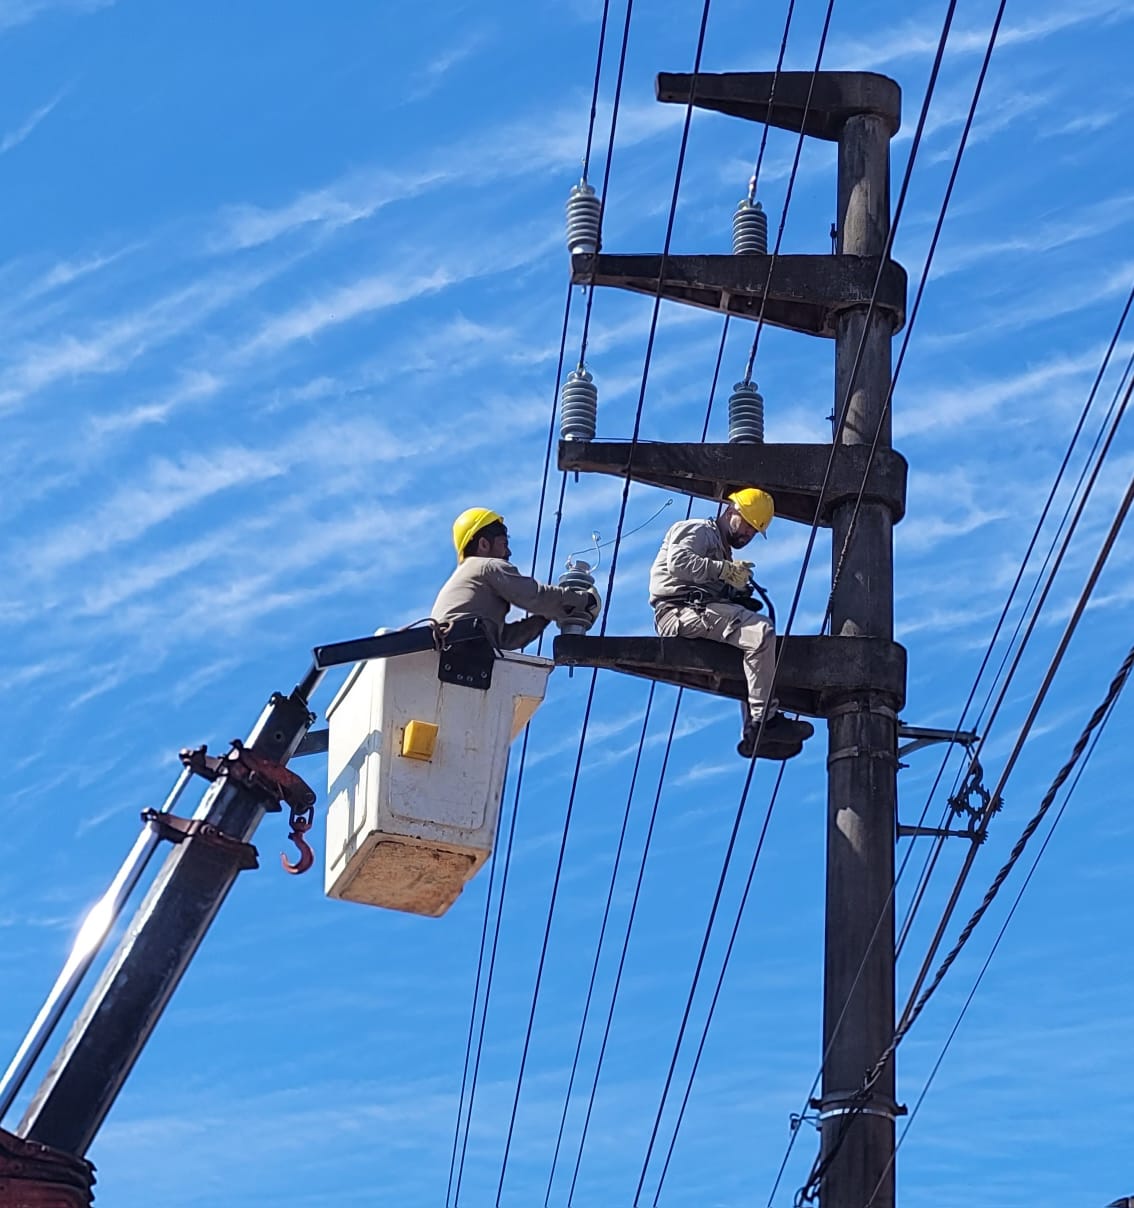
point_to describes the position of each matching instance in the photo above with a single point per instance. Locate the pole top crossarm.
(816, 103)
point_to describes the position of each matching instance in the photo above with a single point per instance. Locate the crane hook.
(299, 828)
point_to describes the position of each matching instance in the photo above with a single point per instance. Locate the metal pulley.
(578, 406)
(584, 213)
(745, 415)
(577, 577)
(749, 229)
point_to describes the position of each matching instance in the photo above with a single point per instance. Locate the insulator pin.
(745, 415)
(577, 577)
(749, 229)
(584, 214)
(578, 406)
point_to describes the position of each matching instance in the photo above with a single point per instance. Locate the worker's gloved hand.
(594, 604)
(735, 574)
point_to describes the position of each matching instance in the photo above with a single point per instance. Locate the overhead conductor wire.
(524, 746)
(1102, 716)
(917, 1004)
(994, 803)
(935, 852)
(646, 846)
(814, 528)
(610, 589)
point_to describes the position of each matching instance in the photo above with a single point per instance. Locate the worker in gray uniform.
(486, 585)
(698, 590)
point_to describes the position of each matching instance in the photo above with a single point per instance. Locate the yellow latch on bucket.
(419, 739)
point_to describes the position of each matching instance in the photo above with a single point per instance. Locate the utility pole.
(856, 677)
(858, 997)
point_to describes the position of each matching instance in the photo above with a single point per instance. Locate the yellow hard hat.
(469, 523)
(755, 506)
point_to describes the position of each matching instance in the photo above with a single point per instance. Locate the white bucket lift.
(415, 772)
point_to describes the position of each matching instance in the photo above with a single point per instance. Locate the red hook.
(299, 828)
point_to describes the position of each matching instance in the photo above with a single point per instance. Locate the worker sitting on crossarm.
(485, 584)
(697, 590)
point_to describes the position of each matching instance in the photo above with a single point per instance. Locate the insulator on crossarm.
(749, 229)
(584, 213)
(578, 406)
(577, 577)
(746, 415)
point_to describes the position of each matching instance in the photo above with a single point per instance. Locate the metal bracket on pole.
(972, 785)
(855, 1103)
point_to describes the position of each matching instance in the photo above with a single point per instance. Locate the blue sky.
(281, 289)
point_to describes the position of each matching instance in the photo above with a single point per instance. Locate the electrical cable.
(535, 555)
(488, 980)
(930, 863)
(912, 1012)
(994, 804)
(610, 590)
(602, 935)
(972, 693)
(618, 857)
(1000, 935)
(841, 423)
(811, 1187)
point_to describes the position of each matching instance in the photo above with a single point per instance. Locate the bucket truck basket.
(415, 773)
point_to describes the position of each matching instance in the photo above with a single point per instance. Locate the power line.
(841, 422)
(535, 556)
(807, 1192)
(602, 935)
(1003, 928)
(927, 869)
(704, 433)
(972, 692)
(994, 804)
(610, 590)
(618, 854)
(1120, 679)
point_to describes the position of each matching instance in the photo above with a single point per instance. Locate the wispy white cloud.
(168, 486)
(913, 40)
(13, 138)
(432, 76)
(1062, 230)
(111, 345)
(20, 12)
(523, 147)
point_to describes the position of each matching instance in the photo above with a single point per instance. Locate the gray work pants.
(734, 625)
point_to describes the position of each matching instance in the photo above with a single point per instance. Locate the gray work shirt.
(488, 587)
(691, 555)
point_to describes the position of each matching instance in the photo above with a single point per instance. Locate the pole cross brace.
(177, 830)
(808, 482)
(815, 676)
(800, 293)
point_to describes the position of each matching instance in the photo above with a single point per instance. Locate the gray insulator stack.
(578, 406)
(749, 229)
(745, 415)
(577, 577)
(584, 213)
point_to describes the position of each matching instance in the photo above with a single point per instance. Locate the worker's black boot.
(782, 738)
